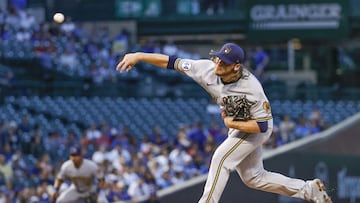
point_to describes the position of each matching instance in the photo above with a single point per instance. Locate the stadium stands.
(144, 113)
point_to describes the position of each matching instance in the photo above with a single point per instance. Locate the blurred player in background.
(247, 114)
(85, 178)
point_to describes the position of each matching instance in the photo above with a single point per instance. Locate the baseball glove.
(237, 107)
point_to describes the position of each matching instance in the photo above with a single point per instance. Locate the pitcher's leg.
(254, 175)
(67, 196)
(226, 157)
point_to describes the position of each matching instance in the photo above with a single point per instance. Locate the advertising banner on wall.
(303, 19)
(137, 8)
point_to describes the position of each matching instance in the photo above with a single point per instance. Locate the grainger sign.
(286, 19)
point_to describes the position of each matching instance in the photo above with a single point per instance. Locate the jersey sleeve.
(195, 69)
(62, 173)
(261, 111)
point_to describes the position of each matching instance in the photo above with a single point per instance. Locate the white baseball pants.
(244, 155)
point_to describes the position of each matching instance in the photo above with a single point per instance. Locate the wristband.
(171, 62)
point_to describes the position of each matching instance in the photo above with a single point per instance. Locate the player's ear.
(237, 67)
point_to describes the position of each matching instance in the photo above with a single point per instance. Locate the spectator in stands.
(313, 127)
(71, 138)
(129, 175)
(42, 192)
(105, 73)
(27, 21)
(23, 35)
(178, 177)
(6, 171)
(275, 138)
(159, 138)
(164, 180)
(178, 158)
(151, 46)
(316, 118)
(261, 60)
(34, 199)
(286, 128)
(196, 134)
(68, 27)
(170, 48)
(26, 194)
(94, 72)
(120, 44)
(151, 182)
(45, 51)
(104, 140)
(162, 160)
(139, 189)
(302, 128)
(120, 154)
(92, 133)
(25, 126)
(146, 146)
(181, 137)
(3, 198)
(19, 165)
(68, 59)
(99, 155)
(117, 192)
(217, 132)
(6, 151)
(13, 140)
(45, 164)
(4, 33)
(156, 168)
(13, 18)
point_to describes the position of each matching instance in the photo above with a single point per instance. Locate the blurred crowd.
(289, 129)
(69, 48)
(135, 166)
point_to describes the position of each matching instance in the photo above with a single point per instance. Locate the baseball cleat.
(319, 194)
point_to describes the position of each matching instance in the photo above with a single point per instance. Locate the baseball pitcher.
(247, 114)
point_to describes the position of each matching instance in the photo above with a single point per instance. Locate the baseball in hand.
(59, 17)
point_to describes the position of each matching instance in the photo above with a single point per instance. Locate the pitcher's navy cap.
(231, 53)
(75, 151)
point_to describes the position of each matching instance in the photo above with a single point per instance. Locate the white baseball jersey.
(82, 178)
(240, 151)
(202, 71)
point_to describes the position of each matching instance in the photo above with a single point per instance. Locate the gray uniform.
(240, 151)
(83, 180)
